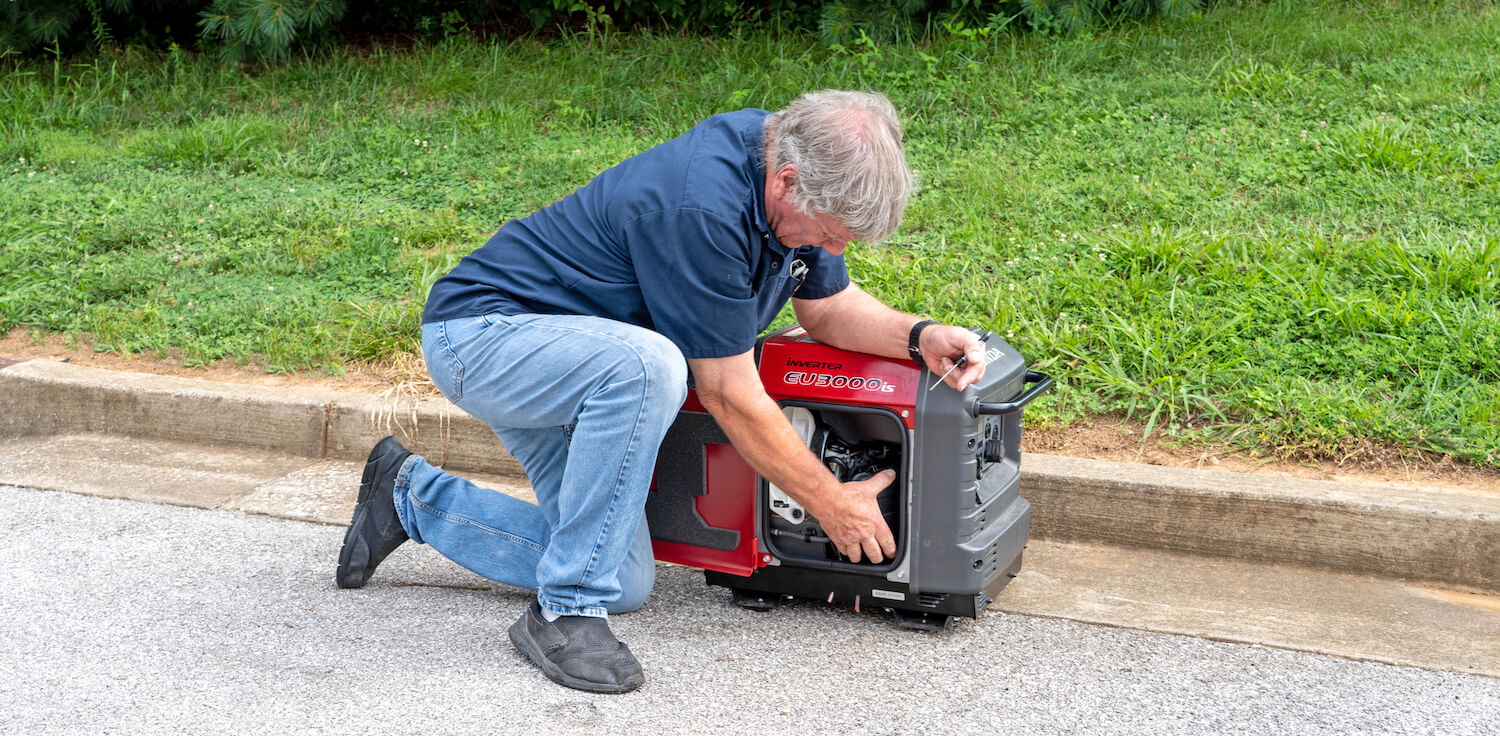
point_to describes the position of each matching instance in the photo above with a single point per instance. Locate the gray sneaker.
(577, 651)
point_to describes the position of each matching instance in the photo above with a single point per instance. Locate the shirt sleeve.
(694, 270)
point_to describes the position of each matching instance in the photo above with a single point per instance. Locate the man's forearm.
(767, 441)
(731, 391)
(854, 320)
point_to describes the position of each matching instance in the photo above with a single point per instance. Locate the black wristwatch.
(913, 342)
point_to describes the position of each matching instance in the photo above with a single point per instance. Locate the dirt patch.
(1482, 601)
(1102, 438)
(407, 372)
(1110, 438)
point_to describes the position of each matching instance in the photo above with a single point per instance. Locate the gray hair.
(847, 150)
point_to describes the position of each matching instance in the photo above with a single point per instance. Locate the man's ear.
(785, 178)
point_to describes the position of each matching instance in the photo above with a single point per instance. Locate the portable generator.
(955, 508)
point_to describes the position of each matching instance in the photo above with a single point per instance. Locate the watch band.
(913, 342)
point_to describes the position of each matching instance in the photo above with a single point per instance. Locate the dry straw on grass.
(398, 410)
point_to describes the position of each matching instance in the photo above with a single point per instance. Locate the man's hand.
(943, 345)
(854, 521)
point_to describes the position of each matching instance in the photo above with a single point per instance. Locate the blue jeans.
(583, 404)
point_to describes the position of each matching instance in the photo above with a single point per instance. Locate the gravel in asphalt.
(122, 617)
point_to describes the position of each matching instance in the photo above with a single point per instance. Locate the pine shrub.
(256, 30)
(265, 28)
(237, 29)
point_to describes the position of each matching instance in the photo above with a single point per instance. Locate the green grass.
(1276, 224)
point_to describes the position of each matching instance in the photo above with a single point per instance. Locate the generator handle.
(1043, 384)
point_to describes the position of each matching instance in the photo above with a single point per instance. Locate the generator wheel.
(921, 620)
(755, 600)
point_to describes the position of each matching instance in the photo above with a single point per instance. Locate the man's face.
(794, 228)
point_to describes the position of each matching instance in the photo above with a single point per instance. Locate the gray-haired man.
(572, 332)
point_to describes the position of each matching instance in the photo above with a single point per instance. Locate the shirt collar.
(755, 142)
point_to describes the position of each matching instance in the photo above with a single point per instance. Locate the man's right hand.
(854, 521)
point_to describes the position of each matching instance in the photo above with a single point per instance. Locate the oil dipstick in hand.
(962, 359)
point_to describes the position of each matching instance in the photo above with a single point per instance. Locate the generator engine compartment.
(854, 443)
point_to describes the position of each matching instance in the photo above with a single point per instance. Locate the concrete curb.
(1395, 532)
(1410, 533)
(51, 398)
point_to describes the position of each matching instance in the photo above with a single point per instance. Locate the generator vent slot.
(992, 560)
(976, 524)
(931, 600)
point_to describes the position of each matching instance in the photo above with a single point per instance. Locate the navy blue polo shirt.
(674, 239)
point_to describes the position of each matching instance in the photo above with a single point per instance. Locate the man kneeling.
(573, 331)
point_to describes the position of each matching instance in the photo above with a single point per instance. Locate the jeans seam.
(483, 527)
(402, 488)
(590, 611)
(455, 366)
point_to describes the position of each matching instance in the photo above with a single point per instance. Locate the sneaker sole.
(346, 552)
(521, 638)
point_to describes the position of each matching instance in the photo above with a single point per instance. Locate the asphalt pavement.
(124, 617)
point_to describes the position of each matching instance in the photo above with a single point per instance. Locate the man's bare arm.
(730, 389)
(854, 320)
